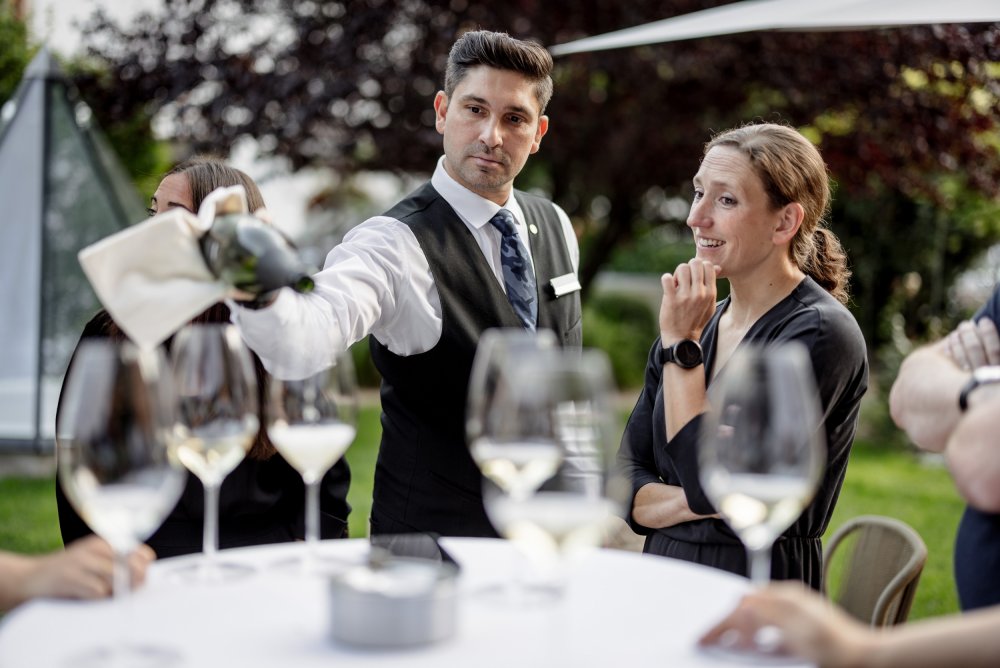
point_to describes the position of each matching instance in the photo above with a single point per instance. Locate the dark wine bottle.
(253, 256)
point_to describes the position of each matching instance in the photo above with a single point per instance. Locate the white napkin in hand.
(151, 277)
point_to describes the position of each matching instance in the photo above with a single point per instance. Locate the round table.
(619, 609)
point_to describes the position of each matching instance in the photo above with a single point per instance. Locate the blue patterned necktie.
(518, 275)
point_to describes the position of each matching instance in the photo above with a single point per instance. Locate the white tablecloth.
(619, 609)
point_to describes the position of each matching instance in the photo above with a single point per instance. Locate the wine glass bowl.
(219, 417)
(512, 445)
(561, 398)
(312, 421)
(762, 449)
(116, 420)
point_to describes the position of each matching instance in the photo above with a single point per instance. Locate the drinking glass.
(117, 416)
(510, 449)
(217, 388)
(312, 421)
(762, 449)
(561, 398)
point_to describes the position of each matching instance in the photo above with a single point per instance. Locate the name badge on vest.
(563, 285)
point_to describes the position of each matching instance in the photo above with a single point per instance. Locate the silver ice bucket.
(394, 602)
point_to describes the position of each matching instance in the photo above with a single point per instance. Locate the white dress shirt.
(377, 281)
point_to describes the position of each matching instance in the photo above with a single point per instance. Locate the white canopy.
(807, 15)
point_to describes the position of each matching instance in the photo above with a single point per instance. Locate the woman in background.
(262, 499)
(761, 194)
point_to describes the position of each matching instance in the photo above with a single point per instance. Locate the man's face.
(491, 124)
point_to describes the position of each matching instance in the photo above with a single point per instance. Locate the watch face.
(687, 353)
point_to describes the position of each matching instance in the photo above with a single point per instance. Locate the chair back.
(879, 560)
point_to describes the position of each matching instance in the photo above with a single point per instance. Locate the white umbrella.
(814, 15)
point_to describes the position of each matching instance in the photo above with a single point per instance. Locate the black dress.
(809, 315)
(261, 501)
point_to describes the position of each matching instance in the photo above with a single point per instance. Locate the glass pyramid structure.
(61, 189)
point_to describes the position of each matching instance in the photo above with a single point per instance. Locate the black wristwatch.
(983, 375)
(686, 354)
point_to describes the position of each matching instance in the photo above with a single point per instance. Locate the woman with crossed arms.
(761, 195)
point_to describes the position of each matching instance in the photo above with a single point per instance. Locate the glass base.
(517, 596)
(751, 657)
(210, 572)
(764, 650)
(129, 655)
(314, 565)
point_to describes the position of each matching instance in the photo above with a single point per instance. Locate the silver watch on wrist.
(984, 375)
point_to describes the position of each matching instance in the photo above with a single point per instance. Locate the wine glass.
(509, 449)
(762, 449)
(312, 421)
(217, 389)
(562, 398)
(117, 415)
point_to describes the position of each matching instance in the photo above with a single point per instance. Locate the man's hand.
(974, 344)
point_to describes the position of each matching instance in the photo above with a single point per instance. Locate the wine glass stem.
(210, 538)
(760, 565)
(120, 575)
(312, 512)
(121, 588)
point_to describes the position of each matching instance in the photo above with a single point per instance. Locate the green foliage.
(144, 158)
(15, 53)
(653, 251)
(361, 456)
(897, 114)
(624, 328)
(368, 375)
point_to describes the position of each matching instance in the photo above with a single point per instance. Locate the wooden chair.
(879, 560)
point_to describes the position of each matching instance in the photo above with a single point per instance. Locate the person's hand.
(974, 344)
(83, 570)
(807, 625)
(688, 301)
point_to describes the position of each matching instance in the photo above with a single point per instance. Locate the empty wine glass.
(312, 421)
(509, 448)
(116, 418)
(563, 398)
(217, 389)
(762, 449)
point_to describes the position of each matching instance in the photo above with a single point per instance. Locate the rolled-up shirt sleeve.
(376, 281)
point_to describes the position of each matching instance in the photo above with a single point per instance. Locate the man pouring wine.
(463, 253)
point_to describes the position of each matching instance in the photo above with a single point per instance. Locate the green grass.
(28, 519)
(361, 456)
(884, 481)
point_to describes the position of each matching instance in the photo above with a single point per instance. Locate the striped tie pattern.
(518, 275)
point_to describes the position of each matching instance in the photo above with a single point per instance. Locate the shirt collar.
(473, 209)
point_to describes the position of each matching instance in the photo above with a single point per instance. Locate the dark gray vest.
(425, 479)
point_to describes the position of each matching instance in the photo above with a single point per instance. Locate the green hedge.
(624, 327)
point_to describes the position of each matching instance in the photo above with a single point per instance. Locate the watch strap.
(984, 375)
(963, 396)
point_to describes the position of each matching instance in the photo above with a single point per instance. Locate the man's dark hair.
(501, 51)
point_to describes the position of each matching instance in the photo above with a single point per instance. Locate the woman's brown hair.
(793, 170)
